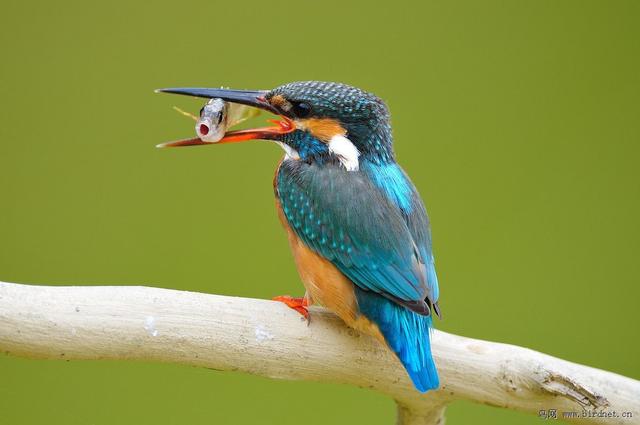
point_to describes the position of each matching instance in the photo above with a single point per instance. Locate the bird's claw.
(298, 304)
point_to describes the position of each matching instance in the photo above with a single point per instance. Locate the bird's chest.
(324, 283)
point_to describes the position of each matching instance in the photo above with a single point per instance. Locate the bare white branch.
(268, 339)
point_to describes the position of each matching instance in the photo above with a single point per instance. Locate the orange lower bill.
(282, 126)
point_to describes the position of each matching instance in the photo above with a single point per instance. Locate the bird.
(356, 224)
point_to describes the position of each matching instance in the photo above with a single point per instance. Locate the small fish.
(216, 117)
(213, 121)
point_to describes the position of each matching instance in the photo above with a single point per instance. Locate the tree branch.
(266, 338)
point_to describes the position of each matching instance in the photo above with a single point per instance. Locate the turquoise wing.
(346, 218)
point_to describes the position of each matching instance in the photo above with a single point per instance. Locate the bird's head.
(320, 121)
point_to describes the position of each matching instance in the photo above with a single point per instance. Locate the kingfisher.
(356, 225)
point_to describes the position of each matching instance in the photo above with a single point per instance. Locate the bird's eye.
(301, 109)
(201, 110)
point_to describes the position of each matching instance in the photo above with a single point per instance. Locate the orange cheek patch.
(278, 101)
(322, 128)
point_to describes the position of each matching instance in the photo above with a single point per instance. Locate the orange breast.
(325, 284)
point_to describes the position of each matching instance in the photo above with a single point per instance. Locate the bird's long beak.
(255, 98)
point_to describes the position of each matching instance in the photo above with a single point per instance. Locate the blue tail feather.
(407, 333)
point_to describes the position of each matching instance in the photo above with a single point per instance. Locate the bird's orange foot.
(298, 304)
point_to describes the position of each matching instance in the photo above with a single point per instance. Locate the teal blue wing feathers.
(351, 222)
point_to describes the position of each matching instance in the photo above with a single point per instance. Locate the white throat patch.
(346, 152)
(289, 152)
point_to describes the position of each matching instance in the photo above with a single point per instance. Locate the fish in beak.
(252, 98)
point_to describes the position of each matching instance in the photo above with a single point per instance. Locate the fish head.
(213, 122)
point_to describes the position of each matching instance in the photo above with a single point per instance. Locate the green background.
(518, 122)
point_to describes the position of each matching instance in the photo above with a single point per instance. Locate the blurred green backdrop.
(518, 122)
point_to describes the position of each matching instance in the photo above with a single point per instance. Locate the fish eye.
(301, 109)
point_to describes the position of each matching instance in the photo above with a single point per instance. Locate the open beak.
(255, 98)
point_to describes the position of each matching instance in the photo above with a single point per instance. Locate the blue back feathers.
(393, 182)
(407, 333)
